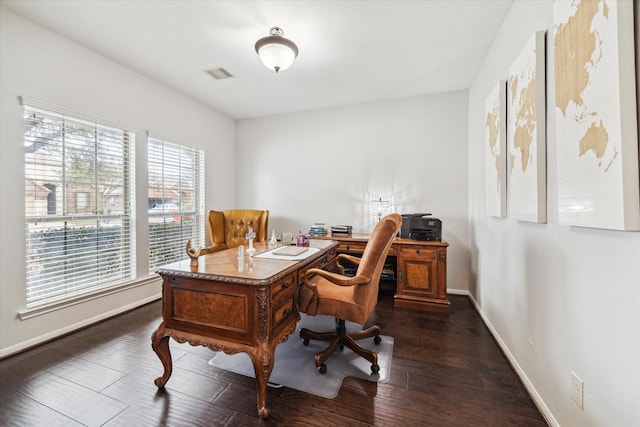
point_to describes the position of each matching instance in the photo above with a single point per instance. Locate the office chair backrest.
(374, 257)
(228, 229)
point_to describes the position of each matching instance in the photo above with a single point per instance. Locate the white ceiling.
(351, 52)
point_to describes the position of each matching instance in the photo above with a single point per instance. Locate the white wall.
(37, 63)
(559, 298)
(324, 166)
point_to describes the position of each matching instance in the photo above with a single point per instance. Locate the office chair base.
(341, 338)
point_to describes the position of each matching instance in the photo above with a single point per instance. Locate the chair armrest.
(217, 247)
(311, 305)
(335, 278)
(216, 229)
(353, 259)
(350, 258)
(263, 227)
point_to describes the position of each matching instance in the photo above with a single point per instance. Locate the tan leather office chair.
(228, 229)
(349, 298)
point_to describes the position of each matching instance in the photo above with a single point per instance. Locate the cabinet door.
(418, 271)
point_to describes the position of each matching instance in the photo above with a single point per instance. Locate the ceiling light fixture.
(276, 52)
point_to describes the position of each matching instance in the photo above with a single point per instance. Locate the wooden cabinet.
(420, 268)
(422, 276)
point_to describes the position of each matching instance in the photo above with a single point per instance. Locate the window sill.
(58, 305)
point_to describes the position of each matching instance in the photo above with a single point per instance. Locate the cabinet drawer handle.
(400, 276)
(286, 312)
(285, 285)
(418, 250)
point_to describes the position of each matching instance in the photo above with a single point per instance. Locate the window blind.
(79, 197)
(176, 200)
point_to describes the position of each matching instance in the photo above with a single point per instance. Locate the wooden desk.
(216, 306)
(420, 270)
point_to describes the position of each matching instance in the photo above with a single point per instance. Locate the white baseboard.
(537, 399)
(75, 326)
(457, 292)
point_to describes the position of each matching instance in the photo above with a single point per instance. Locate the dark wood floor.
(446, 371)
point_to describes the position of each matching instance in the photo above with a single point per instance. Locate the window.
(82, 201)
(176, 201)
(78, 204)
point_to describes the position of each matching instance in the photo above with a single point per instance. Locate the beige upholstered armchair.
(228, 229)
(349, 298)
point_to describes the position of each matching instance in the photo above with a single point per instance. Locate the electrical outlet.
(577, 390)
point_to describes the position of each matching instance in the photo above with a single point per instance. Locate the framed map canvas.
(495, 147)
(595, 111)
(526, 141)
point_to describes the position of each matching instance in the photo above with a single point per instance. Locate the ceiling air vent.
(219, 73)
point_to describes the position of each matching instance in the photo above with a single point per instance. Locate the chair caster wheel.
(377, 339)
(305, 341)
(375, 369)
(323, 369)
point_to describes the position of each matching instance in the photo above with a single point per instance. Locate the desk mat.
(272, 254)
(295, 367)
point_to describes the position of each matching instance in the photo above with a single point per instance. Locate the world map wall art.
(526, 141)
(495, 149)
(595, 114)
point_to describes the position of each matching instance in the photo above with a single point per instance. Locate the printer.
(421, 226)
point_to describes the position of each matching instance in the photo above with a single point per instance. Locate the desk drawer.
(282, 310)
(426, 251)
(324, 263)
(352, 247)
(279, 289)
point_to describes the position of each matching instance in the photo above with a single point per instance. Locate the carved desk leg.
(160, 345)
(263, 359)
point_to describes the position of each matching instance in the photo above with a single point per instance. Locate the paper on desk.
(271, 255)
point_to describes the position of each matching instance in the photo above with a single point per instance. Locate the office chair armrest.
(353, 259)
(217, 247)
(310, 306)
(335, 278)
(350, 258)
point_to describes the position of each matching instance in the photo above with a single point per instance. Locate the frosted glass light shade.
(276, 56)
